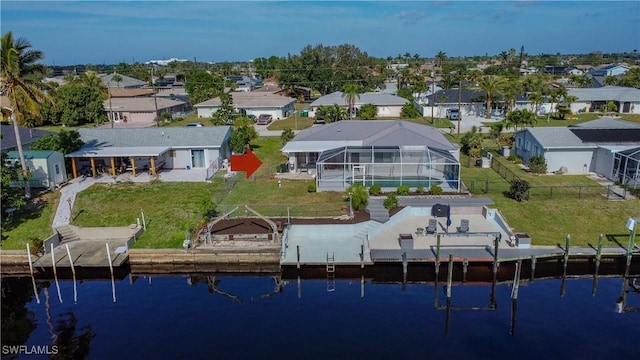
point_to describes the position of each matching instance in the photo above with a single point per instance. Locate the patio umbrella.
(448, 217)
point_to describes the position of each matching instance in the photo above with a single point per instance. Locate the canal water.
(241, 317)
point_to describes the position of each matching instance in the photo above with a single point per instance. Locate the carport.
(97, 155)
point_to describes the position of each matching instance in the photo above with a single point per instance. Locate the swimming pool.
(387, 182)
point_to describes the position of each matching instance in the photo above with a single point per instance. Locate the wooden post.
(93, 166)
(495, 254)
(450, 277)
(113, 166)
(361, 256)
(55, 274)
(405, 263)
(144, 223)
(599, 251)
(566, 250)
(533, 266)
(465, 265)
(74, 169)
(133, 166)
(437, 256)
(516, 280)
(298, 256)
(73, 272)
(152, 160)
(299, 288)
(113, 282)
(33, 279)
(30, 261)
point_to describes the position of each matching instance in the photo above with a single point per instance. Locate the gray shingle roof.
(27, 136)
(550, 137)
(251, 100)
(377, 133)
(126, 82)
(607, 123)
(606, 93)
(375, 98)
(175, 137)
(140, 104)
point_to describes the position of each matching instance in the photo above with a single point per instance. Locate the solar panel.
(607, 135)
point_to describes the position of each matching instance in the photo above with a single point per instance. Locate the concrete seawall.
(204, 260)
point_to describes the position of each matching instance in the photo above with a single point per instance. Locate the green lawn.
(171, 209)
(293, 123)
(31, 222)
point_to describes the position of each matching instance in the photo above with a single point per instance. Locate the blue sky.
(107, 32)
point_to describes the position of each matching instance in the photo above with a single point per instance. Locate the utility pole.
(433, 96)
(155, 98)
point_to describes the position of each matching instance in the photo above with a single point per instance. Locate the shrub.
(518, 189)
(312, 187)
(436, 190)
(391, 202)
(37, 245)
(506, 139)
(515, 159)
(359, 196)
(375, 190)
(420, 189)
(538, 164)
(403, 190)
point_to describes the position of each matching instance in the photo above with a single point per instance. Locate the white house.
(152, 149)
(587, 147)
(141, 111)
(384, 152)
(252, 103)
(609, 70)
(389, 105)
(593, 99)
(45, 166)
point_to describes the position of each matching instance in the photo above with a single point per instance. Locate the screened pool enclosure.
(389, 167)
(626, 167)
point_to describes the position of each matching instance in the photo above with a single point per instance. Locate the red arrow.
(247, 162)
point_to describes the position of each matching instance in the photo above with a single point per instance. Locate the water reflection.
(268, 316)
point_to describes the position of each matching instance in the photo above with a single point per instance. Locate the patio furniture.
(433, 225)
(420, 231)
(464, 226)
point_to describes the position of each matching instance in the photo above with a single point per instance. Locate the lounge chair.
(433, 225)
(464, 226)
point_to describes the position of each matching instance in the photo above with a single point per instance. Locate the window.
(535, 149)
(57, 167)
(519, 143)
(172, 153)
(527, 146)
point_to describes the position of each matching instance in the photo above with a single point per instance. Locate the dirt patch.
(238, 226)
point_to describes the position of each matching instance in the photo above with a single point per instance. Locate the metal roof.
(108, 151)
(125, 81)
(372, 133)
(607, 123)
(174, 137)
(375, 98)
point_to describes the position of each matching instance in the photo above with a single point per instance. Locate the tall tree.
(21, 82)
(351, 93)
(492, 84)
(441, 56)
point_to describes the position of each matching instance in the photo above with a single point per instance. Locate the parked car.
(263, 119)
(453, 114)
(197, 124)
(319, 120)
(252, 117)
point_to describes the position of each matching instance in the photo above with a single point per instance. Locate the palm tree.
(492, 84)
(441, 56)
(21, 82)
(351, 93)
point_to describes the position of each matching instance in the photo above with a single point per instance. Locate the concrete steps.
(377, 211)
(67, 233)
